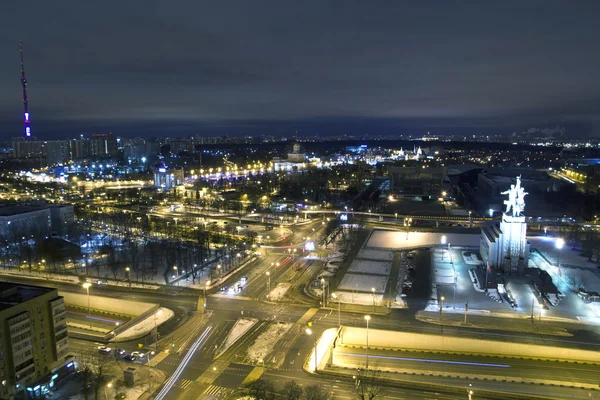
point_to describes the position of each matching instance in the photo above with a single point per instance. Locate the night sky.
(160, 68)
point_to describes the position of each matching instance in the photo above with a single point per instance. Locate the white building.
(167, 179)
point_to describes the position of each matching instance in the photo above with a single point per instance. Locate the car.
(120, 351)
(130, 358)
(223, 288)
(104, 350)
(244, 279)
(138, 354)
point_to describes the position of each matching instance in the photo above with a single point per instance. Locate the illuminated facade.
(33, 340)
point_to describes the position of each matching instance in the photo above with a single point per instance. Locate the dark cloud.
(243, 65)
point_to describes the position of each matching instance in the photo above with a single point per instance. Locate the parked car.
(104, 350)
(138, 354)
(130, 358)
(120, 351)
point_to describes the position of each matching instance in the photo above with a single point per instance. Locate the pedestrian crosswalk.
(185, 383)
(216, 391)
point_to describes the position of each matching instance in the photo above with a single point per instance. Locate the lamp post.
(268, 283)
(175, 269)
(559, 245)
(442, 307)
(443, 243)
(373, 295)
(339, 308)
(108, 386)
(219, 269)
(150, 354)
(367, 318)
(128, 277)
(115, 334)
(309, 332)
(87, 287)
(159, 312)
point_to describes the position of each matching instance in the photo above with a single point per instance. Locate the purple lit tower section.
(25, 102)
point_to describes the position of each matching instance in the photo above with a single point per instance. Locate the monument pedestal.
(515, 249)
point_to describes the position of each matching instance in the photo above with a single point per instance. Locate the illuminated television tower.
(24, 84)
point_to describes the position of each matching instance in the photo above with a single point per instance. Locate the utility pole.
(466, 310)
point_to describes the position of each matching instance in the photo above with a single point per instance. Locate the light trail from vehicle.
(474, 364)
(171, 382)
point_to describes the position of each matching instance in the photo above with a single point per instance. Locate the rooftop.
(12, 294)
(8, 209)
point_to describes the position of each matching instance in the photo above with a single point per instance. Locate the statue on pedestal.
(516, 198)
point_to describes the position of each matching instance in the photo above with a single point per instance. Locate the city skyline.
(322, 69)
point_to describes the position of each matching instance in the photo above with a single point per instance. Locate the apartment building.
(33, 340)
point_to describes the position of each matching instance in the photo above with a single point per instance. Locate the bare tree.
(292, 391)
(261, 389)
(91, 366)
(317, 392)
(367, 385)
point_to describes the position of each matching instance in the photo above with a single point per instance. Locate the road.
(453, 364)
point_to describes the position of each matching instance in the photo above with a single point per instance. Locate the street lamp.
(150, 354)
(367, 318)
(219, 269)
(108, 386)
(373, 294)
(310, 332)
(268, 283)
(443, 243)
(87, 285)
(128, 277)
(339, 301)
(206, 285)
(559, 245)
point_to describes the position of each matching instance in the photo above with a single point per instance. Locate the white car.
(104, 350)
(138, 354)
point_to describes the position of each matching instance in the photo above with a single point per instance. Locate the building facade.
(167, 179)
(33, 339)
(418, 180)
(32, 218)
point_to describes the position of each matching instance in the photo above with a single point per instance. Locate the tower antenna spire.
(25, 101)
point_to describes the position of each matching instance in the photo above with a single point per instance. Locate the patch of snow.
(146, 325)
(240, 327)
(553, 298)
(471, 258)
(356, 298)
(371, 267)
(494, 295)
(266, 341)
(279, 291)
(363, 283)
(475, 281)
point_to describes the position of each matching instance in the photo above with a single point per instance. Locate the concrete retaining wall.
(108, 304)
(415, 341)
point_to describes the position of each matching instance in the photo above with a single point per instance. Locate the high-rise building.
(34, 349)
(49, 152)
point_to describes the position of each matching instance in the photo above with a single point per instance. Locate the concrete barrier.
(107, 304)
(351, 336)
